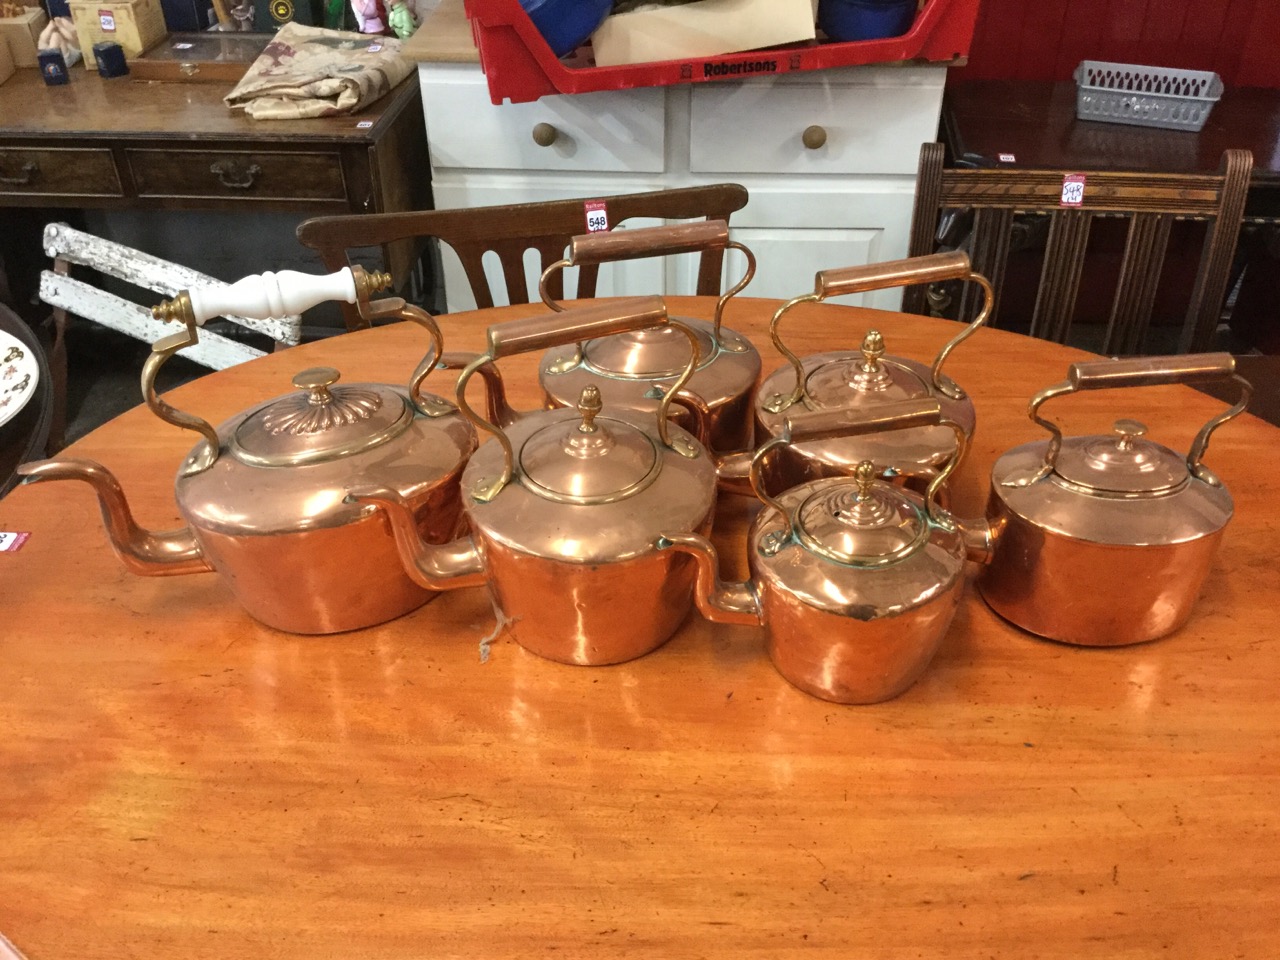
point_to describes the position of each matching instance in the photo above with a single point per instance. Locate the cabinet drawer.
(237, 174)
(871, 122)
(55, 170)
(614, 131)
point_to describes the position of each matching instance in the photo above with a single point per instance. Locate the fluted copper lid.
(589, 460)
(651, 354)
(321, 421)
(1123, 464)
(861, 521)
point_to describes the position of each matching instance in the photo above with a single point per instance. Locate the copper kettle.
(854, 580)
(564, 507)
(640, 366)
(263, 494)
(1106, 540)
(865, 379)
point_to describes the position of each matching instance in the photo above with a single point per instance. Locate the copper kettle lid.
(320, 422)
(872, 378)
(1121, 464)
(861, 522)
(589, 460)
(649, 354)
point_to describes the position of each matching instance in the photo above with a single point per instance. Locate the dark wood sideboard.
(126, 144)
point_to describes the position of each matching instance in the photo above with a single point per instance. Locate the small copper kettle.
(640, 366)
(564, 507)
(263, 494)
(865, 379)
(854, 580)
(1106, 540)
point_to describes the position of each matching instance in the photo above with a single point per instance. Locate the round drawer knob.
(814, 137)
(544, 134)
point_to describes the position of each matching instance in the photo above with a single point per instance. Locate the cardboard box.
(134, 24)
(704, 28)
(6, 62)
(21, 34)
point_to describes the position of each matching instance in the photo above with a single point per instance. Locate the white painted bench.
(68, 246)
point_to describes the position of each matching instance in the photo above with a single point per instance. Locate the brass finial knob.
(317, 380)
(865, 475)
(589, 405)
(1129, 430)
(175, 310)
(872, 351)
(369, 282)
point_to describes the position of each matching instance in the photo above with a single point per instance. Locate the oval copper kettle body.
(1106, 540)
(863, 379)
(263, 494)
(855, 581)
(564, 507)
(639, 367)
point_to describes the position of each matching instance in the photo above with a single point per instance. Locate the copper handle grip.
(829, 424)
(893, 273)
(1150, 371)
(573, 326)
(606, 246)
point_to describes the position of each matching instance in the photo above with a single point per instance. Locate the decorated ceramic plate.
(19, 374)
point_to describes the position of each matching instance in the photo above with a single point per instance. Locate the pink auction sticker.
(597, 216)
(12, 542)
(1072, 190)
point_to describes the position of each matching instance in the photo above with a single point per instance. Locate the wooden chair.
(1150, 202)
(67, 294)
(509, 231)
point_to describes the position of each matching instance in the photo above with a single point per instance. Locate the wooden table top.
(1035, 121)
(178, 781)
(91, 106)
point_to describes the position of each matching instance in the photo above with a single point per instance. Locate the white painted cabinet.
(845, 202)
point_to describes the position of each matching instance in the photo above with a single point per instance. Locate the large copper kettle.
(854, 580)
(639, 367)
(864, 379)
(264, 494)
(1105, 540)
(565, 505)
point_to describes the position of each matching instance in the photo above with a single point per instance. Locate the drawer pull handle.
(814, 138)
(233, 174)
(30, 170)
(544, 134)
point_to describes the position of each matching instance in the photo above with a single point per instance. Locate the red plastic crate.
(520, 67)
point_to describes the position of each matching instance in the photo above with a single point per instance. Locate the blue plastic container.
(865, 19)
(566, 24)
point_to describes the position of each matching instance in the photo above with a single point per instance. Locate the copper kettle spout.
(446, 566)
(144, 552)
(719, 601)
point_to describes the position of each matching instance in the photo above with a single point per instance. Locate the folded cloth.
(312, 72)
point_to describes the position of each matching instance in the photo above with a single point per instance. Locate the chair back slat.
(1001, 199)
(512, 229)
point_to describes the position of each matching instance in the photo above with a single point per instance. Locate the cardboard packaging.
(21, 34)
(6, 62)
(134, 24)
(701, 29)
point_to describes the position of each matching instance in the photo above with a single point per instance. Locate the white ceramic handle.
(268, 295)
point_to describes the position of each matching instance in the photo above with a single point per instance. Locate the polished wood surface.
(1035, 121)
(178, 781)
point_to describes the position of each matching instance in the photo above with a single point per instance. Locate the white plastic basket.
(1145, 96)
